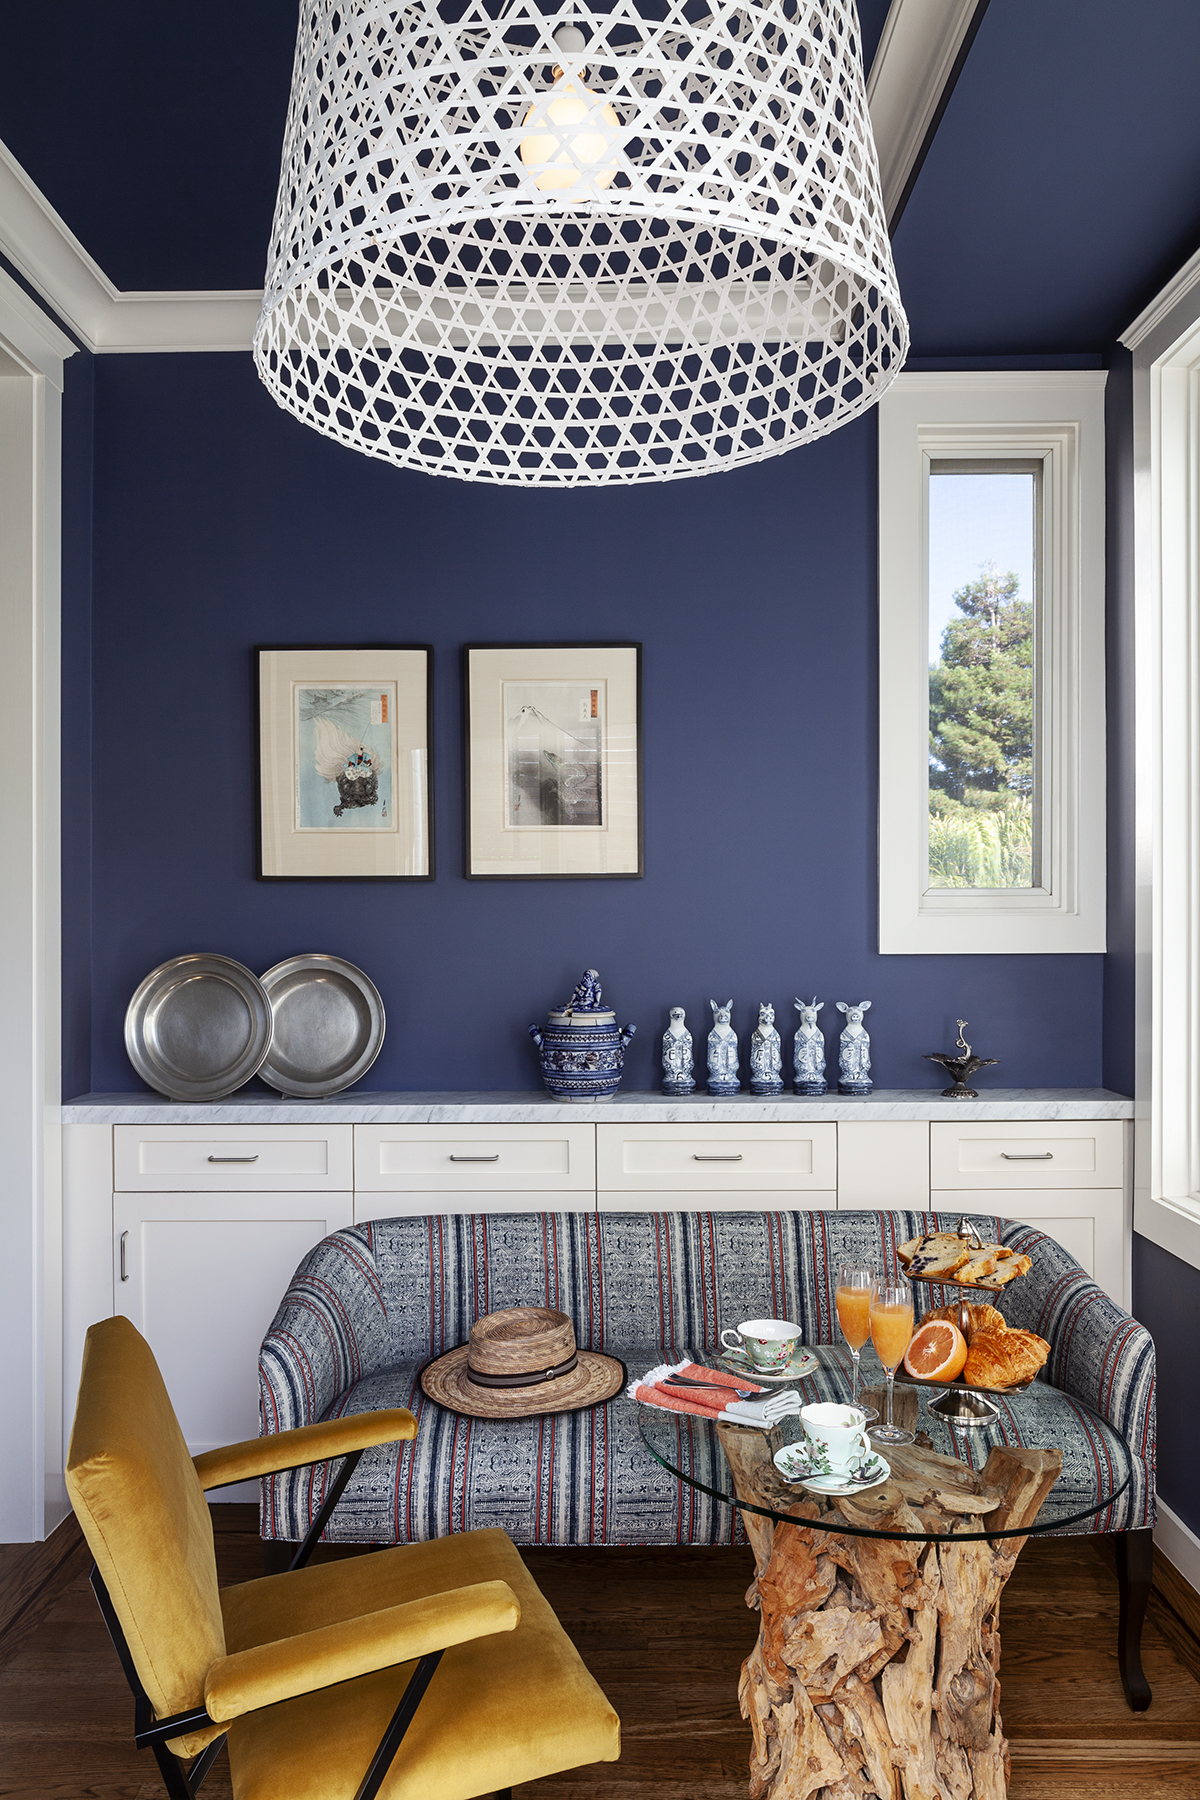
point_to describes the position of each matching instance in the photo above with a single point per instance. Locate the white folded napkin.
(765, 1412)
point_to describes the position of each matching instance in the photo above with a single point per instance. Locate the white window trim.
(1165, 341)
(1057, 417)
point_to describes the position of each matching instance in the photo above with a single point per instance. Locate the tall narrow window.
(991, 662)
(984, 535)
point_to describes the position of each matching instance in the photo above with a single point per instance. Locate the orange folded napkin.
(707, 1403)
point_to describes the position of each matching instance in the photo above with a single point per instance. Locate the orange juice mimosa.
(891, 1332)
(854, 1315)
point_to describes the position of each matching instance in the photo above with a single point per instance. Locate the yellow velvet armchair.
(321, 1680)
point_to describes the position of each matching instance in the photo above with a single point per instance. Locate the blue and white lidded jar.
(583, 1052)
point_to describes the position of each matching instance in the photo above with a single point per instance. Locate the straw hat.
(519, 1363)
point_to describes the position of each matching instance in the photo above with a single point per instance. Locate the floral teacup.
(766, 1343)
(837, 1438)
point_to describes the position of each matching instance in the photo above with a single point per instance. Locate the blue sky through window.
(974, 519)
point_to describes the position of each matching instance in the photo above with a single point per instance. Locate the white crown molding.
(917, 51)
(43, 248)
(1163, 303)
(31, 333)
(995, 381)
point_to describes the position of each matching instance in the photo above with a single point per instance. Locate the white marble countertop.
(623, 1109)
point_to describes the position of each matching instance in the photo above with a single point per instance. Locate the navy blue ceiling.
(155, 130)
(1062, 188)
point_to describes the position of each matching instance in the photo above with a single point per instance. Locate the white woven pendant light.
(578, 249)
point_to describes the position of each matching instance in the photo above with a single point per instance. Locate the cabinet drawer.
(710, 1200)
(208, 1159)
(706, 1159)
(409, 1205)
(1090, 1223)
(1065, 1155)
(475, 1159)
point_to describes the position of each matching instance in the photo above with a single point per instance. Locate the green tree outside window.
(981, 739)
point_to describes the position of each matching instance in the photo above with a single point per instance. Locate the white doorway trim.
(1165, 341)
(32, 352)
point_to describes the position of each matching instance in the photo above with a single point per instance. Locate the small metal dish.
(329, 1026)
(198, 1027)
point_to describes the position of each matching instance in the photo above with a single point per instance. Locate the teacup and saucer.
(769, 1348)
(835, 1456)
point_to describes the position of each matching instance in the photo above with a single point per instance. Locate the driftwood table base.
(876, 1667)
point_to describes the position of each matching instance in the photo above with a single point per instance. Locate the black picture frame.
(262, 650)
(592, 645)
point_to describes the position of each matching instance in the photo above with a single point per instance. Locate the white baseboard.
(1178, 1543)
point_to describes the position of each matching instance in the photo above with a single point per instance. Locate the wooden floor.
(664, 1631)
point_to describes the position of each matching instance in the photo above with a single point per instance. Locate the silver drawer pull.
(495, 1158)
(233, 1159)
(735, 1157)
(124, 1270)
(1028, 1155)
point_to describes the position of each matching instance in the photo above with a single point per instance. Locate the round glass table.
(1040, 1417)
(879, 1645)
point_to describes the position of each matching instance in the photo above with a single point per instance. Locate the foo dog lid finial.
(585, 1001)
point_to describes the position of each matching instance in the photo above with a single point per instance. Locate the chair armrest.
(268, 1673)
(305, 1444)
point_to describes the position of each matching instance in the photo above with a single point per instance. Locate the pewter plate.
(329, 1026)
(198, 1027)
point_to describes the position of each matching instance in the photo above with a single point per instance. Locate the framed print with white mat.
(553, 760)
(343, 748)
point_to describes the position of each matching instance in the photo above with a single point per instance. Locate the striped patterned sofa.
(370, 1305)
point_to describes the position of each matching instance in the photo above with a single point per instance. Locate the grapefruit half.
(937, 1352)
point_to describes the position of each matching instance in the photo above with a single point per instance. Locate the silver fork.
(690, 1381)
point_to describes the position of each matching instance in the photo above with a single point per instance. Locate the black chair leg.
(1135, 1571)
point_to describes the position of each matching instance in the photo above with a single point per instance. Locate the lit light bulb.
(569, 156)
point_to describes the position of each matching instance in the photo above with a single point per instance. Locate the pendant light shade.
(572, 251)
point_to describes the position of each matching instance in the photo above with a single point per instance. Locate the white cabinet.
(882, 1163)
(213, 1159)
(201, 1276)
(1066, 1178)
(211, 1221)
(471, 1160)
(715, 1165)
(990, 1155)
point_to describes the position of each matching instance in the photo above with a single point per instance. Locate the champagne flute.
(854, 1283)
(891, 1333)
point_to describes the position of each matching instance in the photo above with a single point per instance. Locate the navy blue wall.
(220, 523)
(1166, 1298)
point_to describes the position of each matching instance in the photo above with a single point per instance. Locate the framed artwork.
(553, 760)
(343, 752)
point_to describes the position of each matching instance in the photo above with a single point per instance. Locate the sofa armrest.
(305, 1444)
(268, 1673)
(330, 1331)
(1099, 1354)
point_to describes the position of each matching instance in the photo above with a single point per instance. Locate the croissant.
(982, 1317)
(1000, 1359)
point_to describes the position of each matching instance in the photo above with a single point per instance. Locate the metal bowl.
(198, 1027)
(329, 1026)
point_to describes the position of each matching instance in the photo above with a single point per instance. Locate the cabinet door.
(1089, 1222)
(201, 1276)
(403, 1205)
(882, 1163)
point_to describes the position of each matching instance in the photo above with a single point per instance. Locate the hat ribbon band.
(531, 1379)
